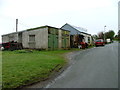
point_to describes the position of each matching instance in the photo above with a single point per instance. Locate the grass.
(23, 67)
(117, 40)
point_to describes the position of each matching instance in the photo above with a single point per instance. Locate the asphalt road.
(92, 68)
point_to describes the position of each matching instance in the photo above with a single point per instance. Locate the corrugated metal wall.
(58, 39)
(52, 39)
(65, 39)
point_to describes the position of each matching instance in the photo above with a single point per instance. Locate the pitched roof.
(76, 29)
(79, 28)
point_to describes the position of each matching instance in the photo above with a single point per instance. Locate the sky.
(90, 14)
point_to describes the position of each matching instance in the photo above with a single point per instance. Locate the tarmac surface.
(91, 68)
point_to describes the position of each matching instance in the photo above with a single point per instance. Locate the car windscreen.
(98, 41)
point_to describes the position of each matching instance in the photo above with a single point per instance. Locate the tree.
(111, 34)
(119, 35)
(100, 35)
(95, 37)
(116, 36)
(107, 35)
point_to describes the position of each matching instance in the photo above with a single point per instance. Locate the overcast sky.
(90, 14)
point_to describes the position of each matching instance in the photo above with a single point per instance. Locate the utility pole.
(104, 32)
(16, 25)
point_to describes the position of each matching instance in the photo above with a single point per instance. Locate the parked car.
(99, 42)
(108, 40)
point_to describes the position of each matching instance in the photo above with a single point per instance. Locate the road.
(92, 68)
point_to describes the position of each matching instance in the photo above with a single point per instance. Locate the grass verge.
(23, 67)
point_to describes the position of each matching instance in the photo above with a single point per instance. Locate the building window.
(31, 38)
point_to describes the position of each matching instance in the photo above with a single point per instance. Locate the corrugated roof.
(79, 28)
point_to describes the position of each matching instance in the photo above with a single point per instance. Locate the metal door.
(53, 39)
(63, 40)
(50, 41)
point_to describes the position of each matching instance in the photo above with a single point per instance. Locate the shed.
(44, 37)
(77, 32)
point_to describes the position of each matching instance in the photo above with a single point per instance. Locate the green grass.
(23, 67)
(91, 46)
(117, 40)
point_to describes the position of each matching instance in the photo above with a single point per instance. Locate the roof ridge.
(77, 28)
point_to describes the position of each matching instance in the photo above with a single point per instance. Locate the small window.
(32, 38)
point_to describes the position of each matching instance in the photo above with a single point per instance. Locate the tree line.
(107, 35)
